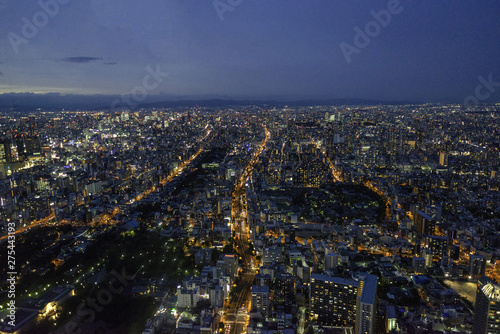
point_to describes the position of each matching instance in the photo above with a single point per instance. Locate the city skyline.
(249, 167)
(246, 219)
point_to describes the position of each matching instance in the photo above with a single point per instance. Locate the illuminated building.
(260, 299)
(487, 309)
(424, 223)
(477, 265)
(341, 302)
(5, 151)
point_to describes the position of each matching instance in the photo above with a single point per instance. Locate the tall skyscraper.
(5, 151)
(424, 223)
(21, 151)
(477, 265)
(438, 245)
(443, 159)
(284, 289)
(487, 309)
(366, 306)
(333, 300)
(344, 302)
(32, 145)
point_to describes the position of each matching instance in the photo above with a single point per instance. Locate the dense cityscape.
(251, 219)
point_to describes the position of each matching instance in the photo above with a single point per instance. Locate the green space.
(140, 252)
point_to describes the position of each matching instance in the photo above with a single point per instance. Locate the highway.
(237, 314)
(37, 223)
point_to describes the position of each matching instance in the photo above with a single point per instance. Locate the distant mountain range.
(55, 101)
(271, 103)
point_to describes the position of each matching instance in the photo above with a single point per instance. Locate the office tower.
(333, 300)
(331, 261)
(336, 301)
(32, 145)
(418, 264)
(366, 306)
(227, 265)
(390, 319)
(477, 265)
(427, 255)
(487, 309)
(284, 289)
(455, 252)
(216, 296)
(424, 223)
(5, 151)
(260, 299)
(21, 151)
(272, 255)
(438, 245)
(443, 159)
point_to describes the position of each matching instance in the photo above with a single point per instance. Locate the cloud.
(86, 60)
(79, 60)
(1, 74)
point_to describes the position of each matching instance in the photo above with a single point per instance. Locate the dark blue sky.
(429, 51)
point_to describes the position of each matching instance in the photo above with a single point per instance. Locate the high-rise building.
(455, 252)
(331, 261)
(438, 245)
(366, 306)
(21, 151)
(5, 151)
(487, 309)
(341, 302)
(284, 289)
(333, 300)
(390, 319)
(32, 145)
(227, 265)
(272, 255)
(443, 159)
(418, 264)
(477, 265)
(260, 299)
(424, 223)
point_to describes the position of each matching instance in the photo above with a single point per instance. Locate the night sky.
(430, 51)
